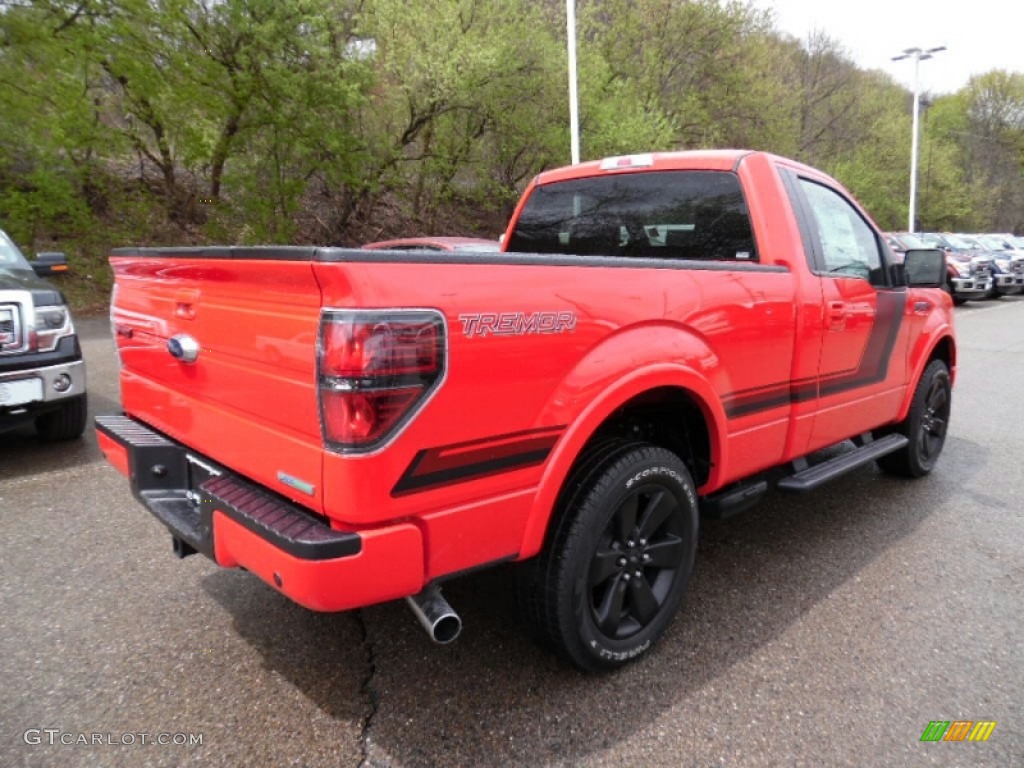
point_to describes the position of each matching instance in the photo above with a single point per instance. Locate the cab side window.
(848, 244)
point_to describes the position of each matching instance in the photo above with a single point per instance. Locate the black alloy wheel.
(931, 431)
(926, 425)
(612, 574)
(636, 562)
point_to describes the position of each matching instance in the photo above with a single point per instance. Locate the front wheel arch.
(934, 344)
(925, 425)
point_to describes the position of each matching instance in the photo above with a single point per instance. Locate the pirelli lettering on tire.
(619, 656)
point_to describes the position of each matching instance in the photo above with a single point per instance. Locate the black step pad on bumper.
(170, 479)
(284, 525)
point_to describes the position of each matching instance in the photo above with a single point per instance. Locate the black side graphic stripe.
(873, 368)
(459, 462)
(741, 404)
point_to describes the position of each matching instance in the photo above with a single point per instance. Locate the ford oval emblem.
(183, 347)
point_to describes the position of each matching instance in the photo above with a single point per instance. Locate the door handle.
(836, 315)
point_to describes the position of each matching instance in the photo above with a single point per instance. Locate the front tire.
(612, 576)
(65, 423)
(958, 301)
(925, 426)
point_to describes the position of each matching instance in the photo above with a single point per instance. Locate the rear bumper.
(236, 523)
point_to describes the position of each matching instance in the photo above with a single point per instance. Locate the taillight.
(375, 368)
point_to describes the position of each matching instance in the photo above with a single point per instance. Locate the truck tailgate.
(248, 398)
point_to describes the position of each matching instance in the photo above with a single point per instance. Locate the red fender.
(597, 411)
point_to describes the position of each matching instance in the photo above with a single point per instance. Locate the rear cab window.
(651, 214)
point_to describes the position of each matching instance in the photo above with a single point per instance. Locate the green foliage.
(339, 121)
(992, 144)
(463, 105)
(682, 67)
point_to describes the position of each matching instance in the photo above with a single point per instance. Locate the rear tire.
(65, 423)
(925, 426)
(530, 574)
(613, 572)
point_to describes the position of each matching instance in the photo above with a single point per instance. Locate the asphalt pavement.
(826, 629)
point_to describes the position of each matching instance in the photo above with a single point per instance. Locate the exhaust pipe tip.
(435, 615)
(446, 629)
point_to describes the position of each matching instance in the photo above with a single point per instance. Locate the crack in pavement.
(367, 690)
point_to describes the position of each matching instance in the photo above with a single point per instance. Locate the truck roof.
(689, 160)
(701, 159)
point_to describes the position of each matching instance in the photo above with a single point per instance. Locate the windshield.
(961, 243)
(10, 256)
(910, 241)
(933, 238)
(992, 243)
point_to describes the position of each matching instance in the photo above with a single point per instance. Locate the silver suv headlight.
(52, 324)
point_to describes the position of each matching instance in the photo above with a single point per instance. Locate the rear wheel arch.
(670, 407)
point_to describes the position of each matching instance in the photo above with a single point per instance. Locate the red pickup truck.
(663, 336)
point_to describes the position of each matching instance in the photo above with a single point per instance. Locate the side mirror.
(925, 268)
(49, 263)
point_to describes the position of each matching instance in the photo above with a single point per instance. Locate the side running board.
(807, 478)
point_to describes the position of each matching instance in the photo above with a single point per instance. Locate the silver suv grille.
(10, 328)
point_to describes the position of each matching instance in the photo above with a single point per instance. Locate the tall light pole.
(574, 109)
(918, 55)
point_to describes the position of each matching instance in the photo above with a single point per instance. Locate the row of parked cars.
(979, 266)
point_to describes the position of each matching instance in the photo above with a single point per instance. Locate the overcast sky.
(980, 35)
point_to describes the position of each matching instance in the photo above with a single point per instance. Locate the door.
(862, 367)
